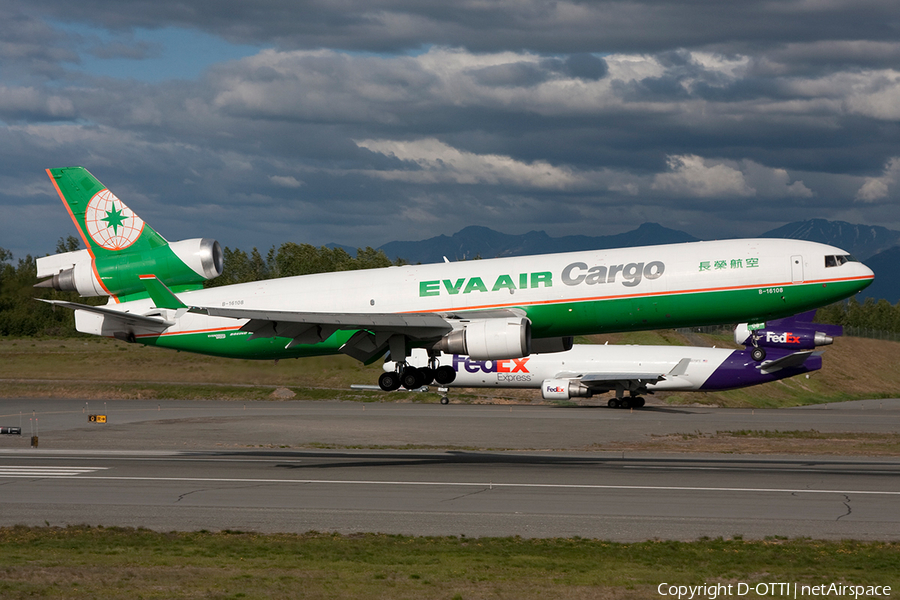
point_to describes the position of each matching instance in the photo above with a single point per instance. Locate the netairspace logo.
(776, 589)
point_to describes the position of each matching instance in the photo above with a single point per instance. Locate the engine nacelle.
(184, 263)
(798, 338)
(563, 389)
(203, 255)
(489, 339)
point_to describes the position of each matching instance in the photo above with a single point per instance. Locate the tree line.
(296, 259)
(22, 316)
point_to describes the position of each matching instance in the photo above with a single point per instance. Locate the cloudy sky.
(363, 122)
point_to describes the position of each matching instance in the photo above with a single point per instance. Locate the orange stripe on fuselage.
(627, 296)
(216, 329)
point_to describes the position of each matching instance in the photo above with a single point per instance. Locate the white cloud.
(288, 182)
(441, 163)
(878, 188)
(691, 176)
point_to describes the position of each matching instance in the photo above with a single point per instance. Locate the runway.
(223, 481)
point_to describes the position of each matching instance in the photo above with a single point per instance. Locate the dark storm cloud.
(31, 48)
(730, 117)
(546, 26)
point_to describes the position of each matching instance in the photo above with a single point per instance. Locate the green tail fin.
(106, 225)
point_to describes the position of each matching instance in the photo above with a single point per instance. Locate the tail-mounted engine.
(803, 336)
(183, 264)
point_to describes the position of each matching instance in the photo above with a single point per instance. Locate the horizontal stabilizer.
(126, 318)
(791, 360)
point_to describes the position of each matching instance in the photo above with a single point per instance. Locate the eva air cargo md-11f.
(494, 309)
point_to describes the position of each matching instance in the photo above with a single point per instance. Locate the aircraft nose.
(866, 273)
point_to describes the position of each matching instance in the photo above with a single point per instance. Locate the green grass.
(87, 562)
(95, 368)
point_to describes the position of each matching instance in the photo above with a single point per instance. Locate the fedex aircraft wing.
(586, 370)
(488, 309)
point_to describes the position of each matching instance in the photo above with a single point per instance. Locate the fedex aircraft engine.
(563, 389)
(798, 338)
(489, 339)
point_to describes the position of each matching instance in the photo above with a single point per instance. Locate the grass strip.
(97, 562)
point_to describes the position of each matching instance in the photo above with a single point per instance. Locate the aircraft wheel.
(445, 400)
(625, 403)
(758, 354)
(444, 375)
(411, 378)
(613, 403)
(427, 375)
(389, 381)
(639, 402)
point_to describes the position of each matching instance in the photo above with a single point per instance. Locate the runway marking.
(487, 484)
(55, 472)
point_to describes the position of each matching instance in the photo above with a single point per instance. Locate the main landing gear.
(632, 402)
(413, 378)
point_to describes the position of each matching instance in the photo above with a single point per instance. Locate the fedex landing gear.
(632, 402)
(758, 354)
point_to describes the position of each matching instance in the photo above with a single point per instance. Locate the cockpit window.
(836, 260)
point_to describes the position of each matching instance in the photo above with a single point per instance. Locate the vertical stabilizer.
(120, 247)
(106, 225)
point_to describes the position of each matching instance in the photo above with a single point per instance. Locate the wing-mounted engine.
(488, 339)
(179, 265)
(563, 389)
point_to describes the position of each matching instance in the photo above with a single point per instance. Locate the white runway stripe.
(489, 485)
(31, 471)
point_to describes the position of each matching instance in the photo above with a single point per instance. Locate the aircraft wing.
(628, 380)
(374, 330)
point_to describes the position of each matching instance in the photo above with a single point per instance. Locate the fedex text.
(507, 370)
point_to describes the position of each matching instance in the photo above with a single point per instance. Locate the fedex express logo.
(576, 273)
(513, 369)
(555, 389)
(490, 366)
(785, 338)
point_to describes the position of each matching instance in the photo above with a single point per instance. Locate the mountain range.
(878, 247)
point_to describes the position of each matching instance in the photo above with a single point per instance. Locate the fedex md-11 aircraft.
(589, 369)
(487, 309)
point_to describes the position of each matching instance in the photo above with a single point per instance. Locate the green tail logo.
(121, 247)
(104, 222)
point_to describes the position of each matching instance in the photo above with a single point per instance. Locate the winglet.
(680, 368)
(161, 295)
